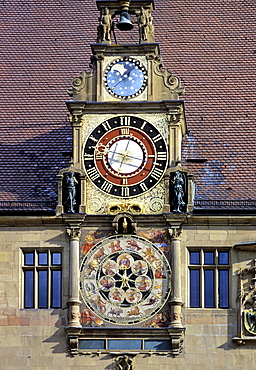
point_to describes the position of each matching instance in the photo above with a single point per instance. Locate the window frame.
(50, 267)
(216, 267)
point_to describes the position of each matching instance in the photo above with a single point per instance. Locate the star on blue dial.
(125, 78)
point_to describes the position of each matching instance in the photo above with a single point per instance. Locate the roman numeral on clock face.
(157, 173)
(93, 138)
(106, 126)
(157, 138)
(143, 186)
(125, 121)
(106, 186)
(125, 191)
(143, 125)
(161, 156)
(88, 157)
(93, 173)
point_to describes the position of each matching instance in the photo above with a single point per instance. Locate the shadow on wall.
(31, 166)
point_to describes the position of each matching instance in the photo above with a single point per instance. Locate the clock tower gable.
(128, 123)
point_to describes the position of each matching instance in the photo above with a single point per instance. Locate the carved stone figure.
(104, 27)
(146, 27)
(70, 183)
(251, 318)
(178, 192)
(124, 363)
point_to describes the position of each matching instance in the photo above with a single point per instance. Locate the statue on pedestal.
(70, 185)
(104, 27)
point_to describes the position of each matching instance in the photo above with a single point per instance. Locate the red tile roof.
(209, 44)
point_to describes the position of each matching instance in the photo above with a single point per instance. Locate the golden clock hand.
(130, 156)
(106, 151)
(125, 152)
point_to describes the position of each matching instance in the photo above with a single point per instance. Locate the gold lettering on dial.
(125, 130)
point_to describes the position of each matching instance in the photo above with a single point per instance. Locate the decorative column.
(74, 302)
(176, 301)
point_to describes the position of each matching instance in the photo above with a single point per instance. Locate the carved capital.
(174, 118)
(99, 57)
(176, 233)
(76, 111)
(74, 233)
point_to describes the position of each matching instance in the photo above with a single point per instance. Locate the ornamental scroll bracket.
(170, 81)
(82, 85)
(247, 305)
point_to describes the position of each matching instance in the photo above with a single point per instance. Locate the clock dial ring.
(139, 163)
(149, 165)
(125, 78)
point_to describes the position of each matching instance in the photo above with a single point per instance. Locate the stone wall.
(36, 339)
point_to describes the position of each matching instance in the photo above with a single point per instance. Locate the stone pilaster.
(74, 303)
(176, 302)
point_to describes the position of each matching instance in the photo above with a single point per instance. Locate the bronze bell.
(125, 23)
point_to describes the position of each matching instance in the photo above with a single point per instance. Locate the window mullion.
(201, 286)
(36, 287)
(216, 287)
(49, 280)
(49, 286)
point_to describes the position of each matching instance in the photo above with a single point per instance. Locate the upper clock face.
(125, 78)
(125, 279)
(125, 156)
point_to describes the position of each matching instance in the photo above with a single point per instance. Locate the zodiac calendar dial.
(125, 156)
(125, 279)
(125, 78)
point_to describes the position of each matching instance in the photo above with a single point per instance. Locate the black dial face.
(125, 279)
(125, 156)
(125, 78)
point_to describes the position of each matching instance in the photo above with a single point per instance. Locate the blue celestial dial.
(125, 78)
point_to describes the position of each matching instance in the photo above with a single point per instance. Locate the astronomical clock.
(122, 191)
(125, 280)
